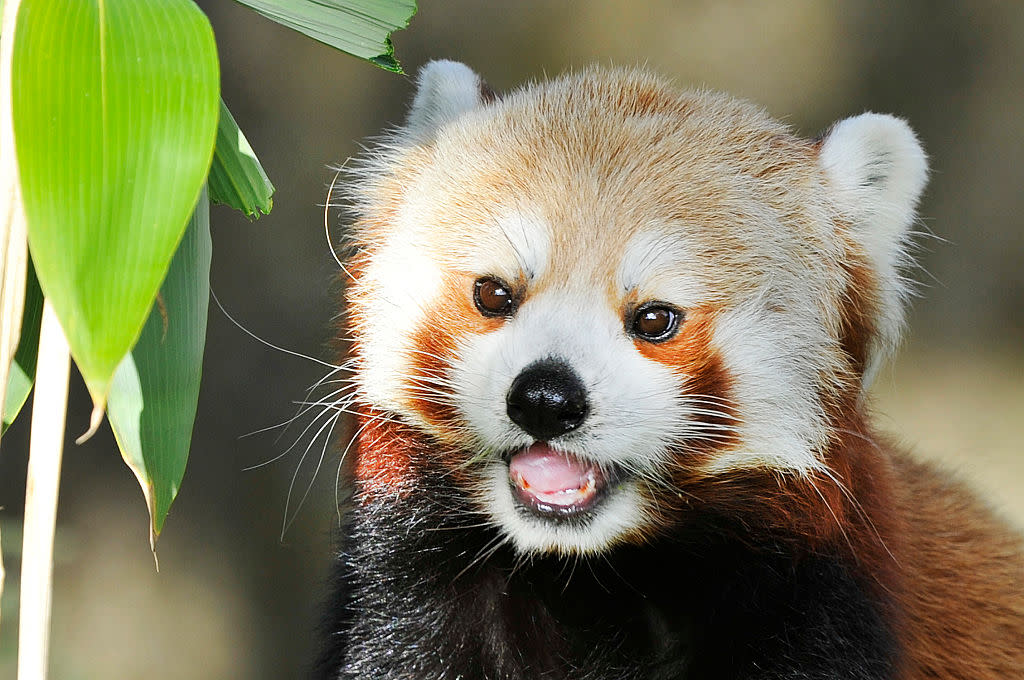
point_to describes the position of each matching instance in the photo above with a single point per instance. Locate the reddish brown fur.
(964, 583)
(948, 573)
(858, 313)
(932, 554)
(387, 463)
(647, 100)
(925, 547)
(487, 93)
(391, 457)
(383, 457)
(935, 558)
(455, 316)
(843, 510)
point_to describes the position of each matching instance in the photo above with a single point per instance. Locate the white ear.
(877, 169)
(445, 91)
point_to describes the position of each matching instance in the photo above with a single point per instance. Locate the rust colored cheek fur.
(384, 460)
(842, 509)
(392, 459)
(389, 452)
(434, 346)
(837, 509)
(706, 383)
(859, 310)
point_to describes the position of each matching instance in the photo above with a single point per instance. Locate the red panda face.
(598, 290)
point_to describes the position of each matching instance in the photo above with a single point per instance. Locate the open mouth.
(556, 484)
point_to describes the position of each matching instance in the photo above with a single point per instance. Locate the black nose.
(547, 399)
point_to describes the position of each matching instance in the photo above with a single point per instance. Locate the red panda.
(611, 345)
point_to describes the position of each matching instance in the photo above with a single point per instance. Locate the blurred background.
(233, 599)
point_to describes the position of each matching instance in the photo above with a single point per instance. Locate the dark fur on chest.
(424, 590)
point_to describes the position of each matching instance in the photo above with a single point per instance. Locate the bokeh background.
(233, 599)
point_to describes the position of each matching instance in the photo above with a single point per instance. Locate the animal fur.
(751, 523)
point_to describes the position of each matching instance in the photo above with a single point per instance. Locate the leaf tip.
(95, 420)
(152, 549)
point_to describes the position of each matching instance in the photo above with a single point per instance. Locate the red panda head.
(598, 288)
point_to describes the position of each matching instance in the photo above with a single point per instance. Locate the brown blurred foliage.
(232, 600)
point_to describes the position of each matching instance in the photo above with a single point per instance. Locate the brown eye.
(655, 322)
(493, 298)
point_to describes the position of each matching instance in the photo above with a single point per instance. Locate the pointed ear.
(876, 171)
(445, 90)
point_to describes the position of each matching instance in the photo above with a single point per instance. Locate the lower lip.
(555, 509)
(558, 503)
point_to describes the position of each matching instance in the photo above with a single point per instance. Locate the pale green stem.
(13, 244)
(49, 407)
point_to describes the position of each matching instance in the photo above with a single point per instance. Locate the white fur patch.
(628, 394)
(446, 90)
(775, 362)
(405, 280)
(878, 171)
(635, 409)
(655, 265)
(517, 243)
(622, 512)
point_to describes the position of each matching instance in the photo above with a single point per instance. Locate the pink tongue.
(553, 477)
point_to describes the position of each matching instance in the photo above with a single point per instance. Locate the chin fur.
(617, 517)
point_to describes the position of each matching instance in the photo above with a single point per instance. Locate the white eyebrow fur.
(654, 263)
(530, 238)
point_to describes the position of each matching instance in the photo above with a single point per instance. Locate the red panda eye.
(656, 322)
(493, 298)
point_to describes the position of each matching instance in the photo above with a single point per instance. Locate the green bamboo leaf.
(155, 390)
(13, 235)
(236, 177)
(23, 368)
(362, 28)
(115, 115)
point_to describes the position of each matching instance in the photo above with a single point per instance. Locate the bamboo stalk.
(3, 574)
(49, 407)
(13, 243)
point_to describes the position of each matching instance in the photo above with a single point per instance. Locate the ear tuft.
(876, 171)
(445, 91)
